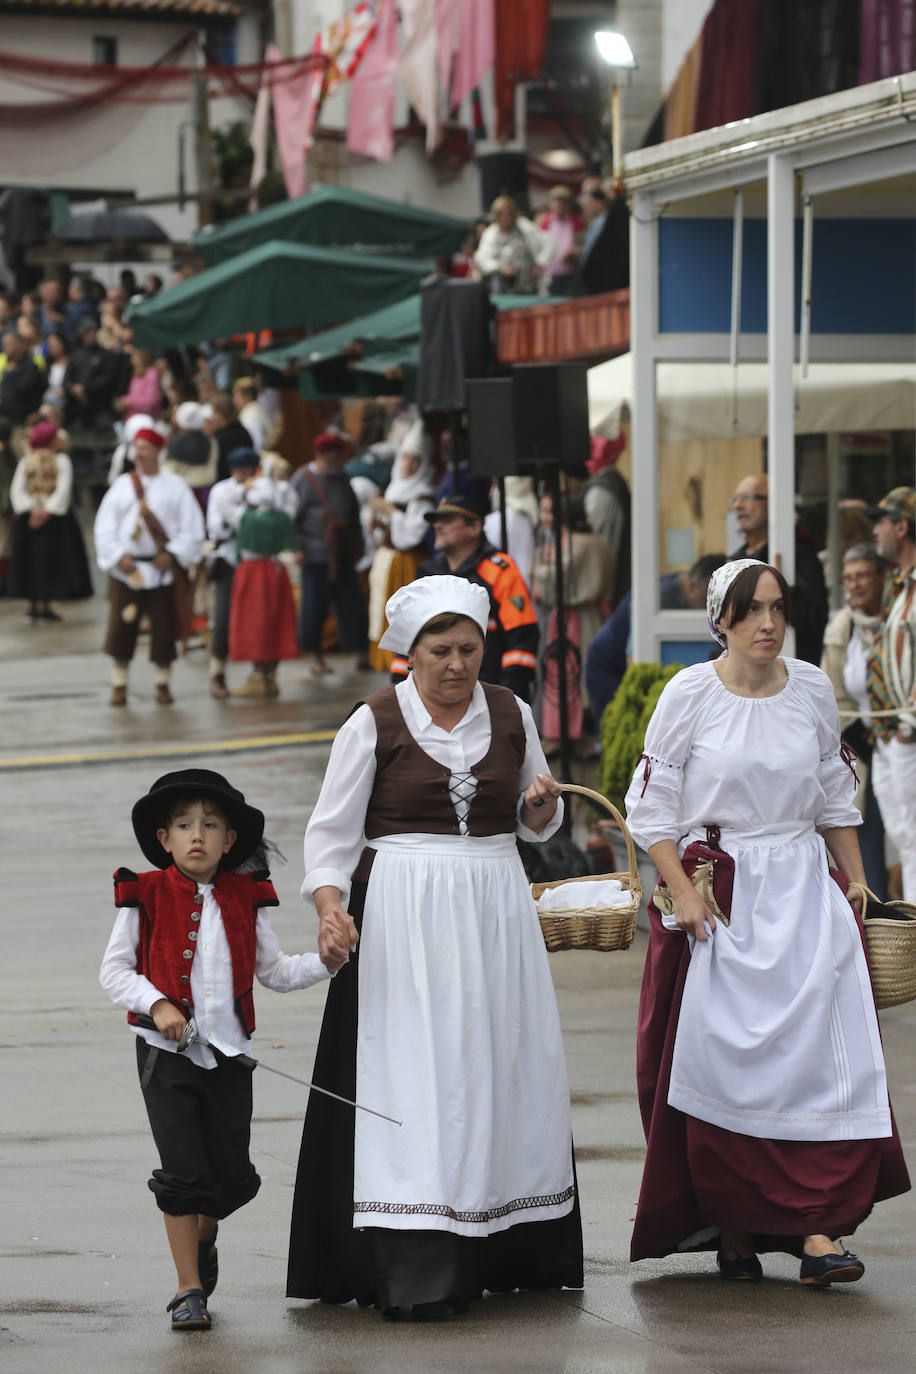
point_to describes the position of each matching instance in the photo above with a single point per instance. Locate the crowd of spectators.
(576, 246)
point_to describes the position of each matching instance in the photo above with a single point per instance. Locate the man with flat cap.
(511, 648)
(891, 679)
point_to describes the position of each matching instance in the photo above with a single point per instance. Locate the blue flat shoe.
(741, 1267)
(819, 1271)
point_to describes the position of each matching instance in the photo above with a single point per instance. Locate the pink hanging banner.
(419, 64)
(370, 121)
(476, 48)
(446, 38)
(295, 103)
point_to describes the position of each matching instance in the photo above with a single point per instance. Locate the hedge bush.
(623, 725)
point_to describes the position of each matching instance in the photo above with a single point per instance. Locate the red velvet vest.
(170, 907)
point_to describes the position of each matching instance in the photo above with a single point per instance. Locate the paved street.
(84, 1270)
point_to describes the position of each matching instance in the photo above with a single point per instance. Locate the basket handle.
(600, 800)
(865, 893)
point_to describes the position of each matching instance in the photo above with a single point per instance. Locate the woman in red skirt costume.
(262, 617)
(759, 1066)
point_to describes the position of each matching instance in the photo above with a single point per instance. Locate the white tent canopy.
(716, 401)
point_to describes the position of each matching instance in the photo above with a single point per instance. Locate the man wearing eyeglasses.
(809, 594)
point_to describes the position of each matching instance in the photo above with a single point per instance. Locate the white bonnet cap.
(189, 415)
(413, 606)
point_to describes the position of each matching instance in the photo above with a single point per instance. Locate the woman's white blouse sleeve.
(653, 800)
(836, 770)
(533, 763)
(334, 837)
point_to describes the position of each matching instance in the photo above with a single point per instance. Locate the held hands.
(170, 1022)
(163, 560)
(337, 934)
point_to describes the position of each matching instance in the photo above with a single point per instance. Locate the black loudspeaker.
(504, 174)
(491, 428)
(536, 419)
(454, 341)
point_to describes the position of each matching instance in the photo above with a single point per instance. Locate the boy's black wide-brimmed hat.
(151, 812)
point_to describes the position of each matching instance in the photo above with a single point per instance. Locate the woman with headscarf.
(444, 1017)
(759, 1064)
(398, 524)
(48, 557)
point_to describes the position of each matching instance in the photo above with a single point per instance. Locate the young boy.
(187, 942)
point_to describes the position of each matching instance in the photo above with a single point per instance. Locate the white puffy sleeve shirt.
(120, 529)
(767, 766)
(56, 502)
(334, 837)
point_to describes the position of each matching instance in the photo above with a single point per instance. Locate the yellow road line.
(152, 751)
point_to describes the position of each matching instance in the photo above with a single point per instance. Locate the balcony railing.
(583, 327)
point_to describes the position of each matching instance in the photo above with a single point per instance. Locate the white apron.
(803, 1064)
(459, 1037)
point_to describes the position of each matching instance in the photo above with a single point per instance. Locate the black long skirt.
(331, 1260)
(49, 564)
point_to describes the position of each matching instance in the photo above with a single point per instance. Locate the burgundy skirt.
(698, 1176)
(262, 618)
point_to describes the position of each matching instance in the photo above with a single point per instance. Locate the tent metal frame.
(853, 138)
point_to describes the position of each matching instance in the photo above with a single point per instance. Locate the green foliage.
(232, 159)
(623, 725)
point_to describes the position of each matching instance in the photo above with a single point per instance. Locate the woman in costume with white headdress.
(400, 531)
(759, 1064)
(445, 1016)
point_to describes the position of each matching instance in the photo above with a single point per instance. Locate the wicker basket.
(593, 927)
(891, 943)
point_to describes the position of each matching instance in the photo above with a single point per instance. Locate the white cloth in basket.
(573, 896)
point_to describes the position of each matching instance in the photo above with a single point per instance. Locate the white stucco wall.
(123, 147)
(683, 20)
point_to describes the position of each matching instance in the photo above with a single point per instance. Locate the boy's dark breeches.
(201, 1123)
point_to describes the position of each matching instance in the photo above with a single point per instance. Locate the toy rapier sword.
(191, 1033)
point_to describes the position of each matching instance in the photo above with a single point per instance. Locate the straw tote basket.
(593, 927)
(890, 937)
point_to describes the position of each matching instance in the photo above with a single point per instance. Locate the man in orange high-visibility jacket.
(510, 652)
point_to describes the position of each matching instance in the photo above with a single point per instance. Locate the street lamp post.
(614, 49)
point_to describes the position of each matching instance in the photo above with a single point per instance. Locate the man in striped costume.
(892, 679)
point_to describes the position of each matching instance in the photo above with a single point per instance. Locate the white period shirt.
(211, 978)
(56, 503)
(228, 501)
(334, 839)
(120, 528)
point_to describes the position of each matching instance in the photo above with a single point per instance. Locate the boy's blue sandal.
(189, 1311)
(208, 1262)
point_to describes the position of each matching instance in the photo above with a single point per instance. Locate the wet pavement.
(84, 1269)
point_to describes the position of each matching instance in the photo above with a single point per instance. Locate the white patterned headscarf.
(719, 584)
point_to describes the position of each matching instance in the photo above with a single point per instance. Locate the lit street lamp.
(614, 49)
